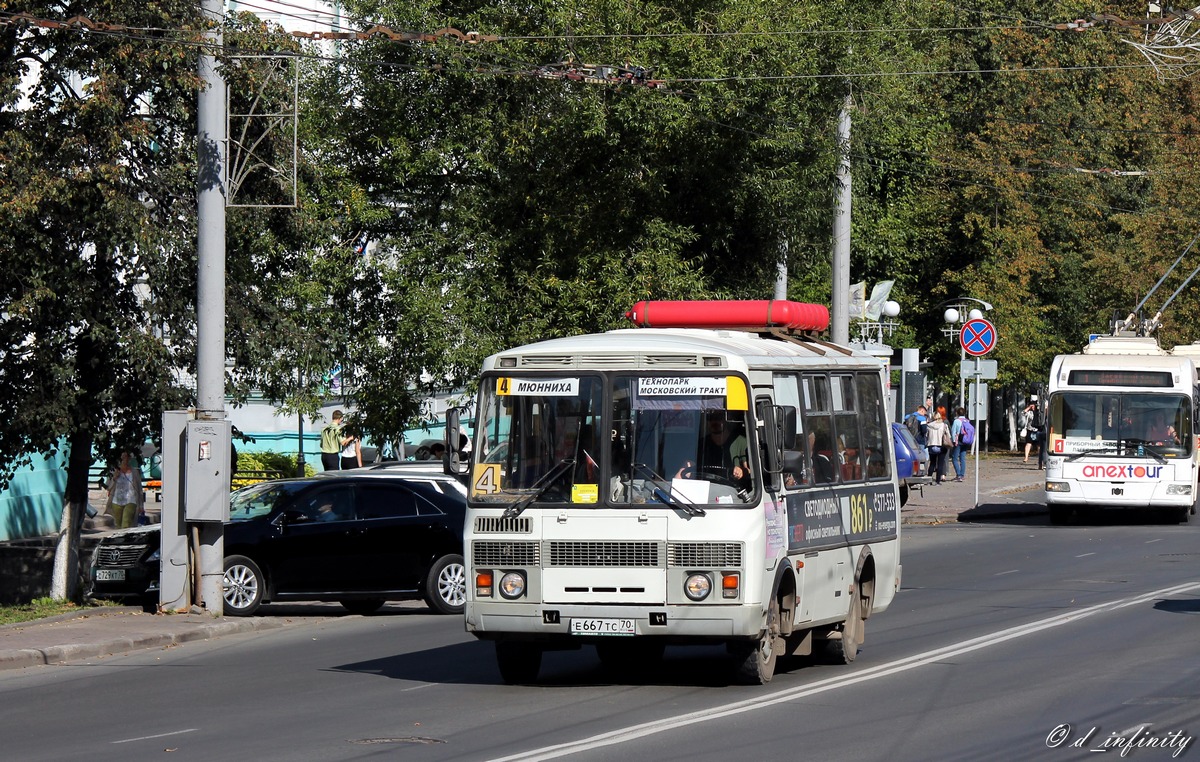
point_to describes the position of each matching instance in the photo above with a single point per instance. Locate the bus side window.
(793, 449)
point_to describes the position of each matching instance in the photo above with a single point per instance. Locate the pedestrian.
(331, 443)
(1029, 429)
(938, 437)
(958, 455)
(917, 422)
(126, 502)
(351, 452)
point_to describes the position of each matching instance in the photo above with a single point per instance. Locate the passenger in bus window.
(822, 456)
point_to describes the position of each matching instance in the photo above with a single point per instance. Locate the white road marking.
(634, 732)
(1010, 571)
(160, 735)
(1085, 555)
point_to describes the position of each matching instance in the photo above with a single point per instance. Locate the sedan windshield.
(259, 500)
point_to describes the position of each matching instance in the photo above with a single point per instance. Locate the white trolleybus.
(1121, 429)
(730, 484)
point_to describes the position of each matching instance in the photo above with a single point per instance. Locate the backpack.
(966, 434)
(331, 439)
(913, 425)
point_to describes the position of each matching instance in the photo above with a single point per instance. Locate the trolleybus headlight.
(512, 585)
(1058, 487)
(1179, 489)
(697, 586)
(483, 583)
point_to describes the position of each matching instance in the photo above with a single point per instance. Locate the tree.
(97, 160)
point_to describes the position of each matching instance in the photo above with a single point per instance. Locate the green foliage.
(283, 464)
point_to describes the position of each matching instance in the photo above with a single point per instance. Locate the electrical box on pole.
(208, 463)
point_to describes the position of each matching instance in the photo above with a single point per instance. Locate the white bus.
(1121, 429)
(731, 484)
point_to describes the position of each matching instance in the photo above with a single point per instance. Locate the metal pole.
(210, 291)
(975, 418)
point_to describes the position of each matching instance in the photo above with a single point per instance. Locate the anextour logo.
(1122, 472)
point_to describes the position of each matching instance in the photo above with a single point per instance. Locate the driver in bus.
(1158, 430)
(723, 453)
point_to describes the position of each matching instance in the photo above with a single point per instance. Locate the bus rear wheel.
(756, 661)
(842, 647)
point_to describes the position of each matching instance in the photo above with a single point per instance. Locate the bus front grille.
(596, 554)
(712, 555)
(505, 554)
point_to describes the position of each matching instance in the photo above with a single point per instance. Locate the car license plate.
(602, 627)
(110, 575)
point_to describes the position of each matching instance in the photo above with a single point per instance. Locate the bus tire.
(519, 662)
(756, 661)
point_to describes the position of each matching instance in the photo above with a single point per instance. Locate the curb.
(32, 657)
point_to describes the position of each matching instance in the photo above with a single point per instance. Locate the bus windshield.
(1118, 424)
(640, 439)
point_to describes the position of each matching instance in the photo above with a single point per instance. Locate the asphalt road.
(1012, 640)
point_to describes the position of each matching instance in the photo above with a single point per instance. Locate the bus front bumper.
(496, 620)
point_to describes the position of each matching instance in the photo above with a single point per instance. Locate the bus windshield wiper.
(539, 488)
(1093, 451)
(666, 497)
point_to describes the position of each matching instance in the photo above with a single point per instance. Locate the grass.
(40, 609)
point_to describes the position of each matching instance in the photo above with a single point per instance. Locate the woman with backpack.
(937, 434)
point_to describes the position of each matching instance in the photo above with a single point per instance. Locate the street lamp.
(956, 316)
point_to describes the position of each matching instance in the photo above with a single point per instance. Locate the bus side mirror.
(453, 462)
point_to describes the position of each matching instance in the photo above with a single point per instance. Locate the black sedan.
(358, 537)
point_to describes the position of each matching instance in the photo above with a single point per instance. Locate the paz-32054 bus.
(732, 483)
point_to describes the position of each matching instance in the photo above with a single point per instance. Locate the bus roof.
(677, 349)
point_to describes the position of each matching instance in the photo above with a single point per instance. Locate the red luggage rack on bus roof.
(775, 316)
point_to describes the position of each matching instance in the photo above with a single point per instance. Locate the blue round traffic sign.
(978, 337)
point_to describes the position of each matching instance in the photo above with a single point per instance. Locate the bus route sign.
(978, 337)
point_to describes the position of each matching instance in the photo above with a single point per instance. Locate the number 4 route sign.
(978, 337)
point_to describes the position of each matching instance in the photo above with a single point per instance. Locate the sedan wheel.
(242, 586)
(446, 585)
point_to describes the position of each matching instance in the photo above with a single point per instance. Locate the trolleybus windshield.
(1119, 423)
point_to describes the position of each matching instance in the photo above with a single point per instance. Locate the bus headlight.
(512, 585)
(697, 586)
(1179, 489)
(1058, 487)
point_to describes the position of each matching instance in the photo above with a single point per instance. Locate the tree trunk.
(64, 585)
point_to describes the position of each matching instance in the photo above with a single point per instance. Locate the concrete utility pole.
(781, 271)
(208, 536)
(840, 302)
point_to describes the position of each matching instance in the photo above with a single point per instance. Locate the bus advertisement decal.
(823, 517)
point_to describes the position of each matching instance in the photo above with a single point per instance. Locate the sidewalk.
(1008, 488)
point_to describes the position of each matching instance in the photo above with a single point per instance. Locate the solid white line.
(160, 735)
(1085, 555)
(1157, 539)
(1010, 571)
(634, 732)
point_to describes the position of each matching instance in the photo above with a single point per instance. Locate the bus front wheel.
(756, 661)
